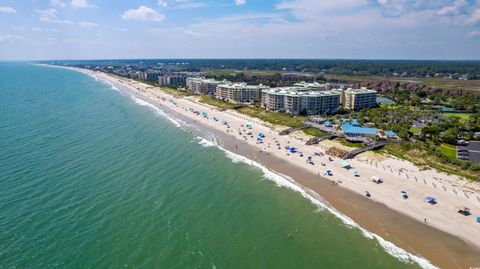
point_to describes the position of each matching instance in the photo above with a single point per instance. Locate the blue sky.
(358, 29)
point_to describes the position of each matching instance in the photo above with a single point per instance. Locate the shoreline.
(401, 227)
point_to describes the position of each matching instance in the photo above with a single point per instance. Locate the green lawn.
(215, 102)
(448, 150)
(463, 116)
(273, 117)
(175, 91)
(349, 144)
(314, 132)
(415, 130)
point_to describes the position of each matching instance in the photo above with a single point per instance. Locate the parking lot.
(474, 151)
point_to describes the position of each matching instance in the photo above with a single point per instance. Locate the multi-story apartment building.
(239, 92)
(356, 99)
(203, 85)
(294, 100)
(149, 75)
(175, 78)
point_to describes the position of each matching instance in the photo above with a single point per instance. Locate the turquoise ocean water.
(91, 179)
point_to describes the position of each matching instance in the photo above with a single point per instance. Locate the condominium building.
(296, 100)
(356, 99)
(149, 75)
(175, 78)
(239, 92)
(203, 85)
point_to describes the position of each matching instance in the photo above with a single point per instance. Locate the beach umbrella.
(345, 164)
(431, 199)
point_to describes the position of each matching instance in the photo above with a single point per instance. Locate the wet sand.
(442, 249)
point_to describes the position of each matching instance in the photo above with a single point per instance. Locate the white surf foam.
(156, 109)
(285, 181)
(207, 143)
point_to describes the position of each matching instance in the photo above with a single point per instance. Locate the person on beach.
(425, 220)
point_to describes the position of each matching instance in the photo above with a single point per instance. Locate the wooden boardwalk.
(378, 145)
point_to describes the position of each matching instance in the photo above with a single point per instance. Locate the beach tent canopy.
(346, 164)
(431, 199)
(249, 125)
(261, 134)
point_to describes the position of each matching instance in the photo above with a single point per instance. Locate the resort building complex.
(239, 92)
(203, 85)
(306, 98)
(356, 99)
(300, 100)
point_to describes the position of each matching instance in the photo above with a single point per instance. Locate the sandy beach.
(436, 228)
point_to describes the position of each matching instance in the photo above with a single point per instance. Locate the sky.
(133, 29)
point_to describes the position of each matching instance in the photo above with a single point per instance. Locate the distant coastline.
(397, 174)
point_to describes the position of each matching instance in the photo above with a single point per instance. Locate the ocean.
(93, 178)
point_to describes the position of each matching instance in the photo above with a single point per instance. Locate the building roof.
(390, 133)
(298, 91)
(362, 90)
(349, 128)
(242, 85)
(206, 80)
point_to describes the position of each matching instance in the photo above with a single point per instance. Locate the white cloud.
(7, 10)
(474, 17)
(82, 4)
(143, 13)
(11, 38)
(57, 3)
(181, 4)
(454, 9)
(162, 3)
(50, 15)
(88, 25)
(308, 10)
(473, 34)
(240, 2)
(193, 34)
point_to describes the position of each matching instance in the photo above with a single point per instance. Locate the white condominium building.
(203, 85)
(356, 99)
(239, 92)
(296, 100)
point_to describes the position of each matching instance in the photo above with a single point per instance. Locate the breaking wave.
(285, 181)
(157, 110)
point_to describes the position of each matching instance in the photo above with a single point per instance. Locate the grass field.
(175, 91)
(273, 117)
(349, 144)
(215, 102)
(415, 130)
(314, 132)
(448, 150)
(420, 157)
(463, 116)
